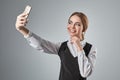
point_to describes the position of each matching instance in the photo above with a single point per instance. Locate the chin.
(71, 35)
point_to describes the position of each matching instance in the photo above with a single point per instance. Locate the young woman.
(77, 56)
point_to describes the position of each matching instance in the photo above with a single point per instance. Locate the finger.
(21, 19)
(22, 25)
(25, 20)
(23, 15)
(22, 22)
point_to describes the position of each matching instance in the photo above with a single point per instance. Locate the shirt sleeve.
(86, 64)
(41, 44)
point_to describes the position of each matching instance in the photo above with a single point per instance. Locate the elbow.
(37, 47)
(86, 74)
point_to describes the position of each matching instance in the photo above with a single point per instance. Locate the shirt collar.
(81, 42)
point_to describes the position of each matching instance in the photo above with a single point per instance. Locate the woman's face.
(75, 26)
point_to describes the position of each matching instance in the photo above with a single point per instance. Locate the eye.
(78, 24)
(69, 22)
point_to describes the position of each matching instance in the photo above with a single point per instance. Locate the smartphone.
(27, 9)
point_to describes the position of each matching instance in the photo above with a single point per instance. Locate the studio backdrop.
(48, 19)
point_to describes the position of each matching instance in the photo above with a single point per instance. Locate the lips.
(72, 31)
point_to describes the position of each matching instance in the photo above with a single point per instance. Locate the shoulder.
(64, 42)
(89, 43)
(92, 44)
(93, 47)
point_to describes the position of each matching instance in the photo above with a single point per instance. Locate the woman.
(77, 56)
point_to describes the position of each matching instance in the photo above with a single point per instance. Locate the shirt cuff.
(28, 35)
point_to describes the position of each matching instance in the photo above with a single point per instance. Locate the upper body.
(77, 26)
(86, 64)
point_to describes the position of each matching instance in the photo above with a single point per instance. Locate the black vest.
(69, 64)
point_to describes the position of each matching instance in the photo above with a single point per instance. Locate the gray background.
(48, 18)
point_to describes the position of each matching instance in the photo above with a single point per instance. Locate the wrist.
(23, 30)
(20, 28)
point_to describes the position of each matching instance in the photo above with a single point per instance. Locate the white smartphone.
(27, 9)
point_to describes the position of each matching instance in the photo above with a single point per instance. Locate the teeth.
(72, 31)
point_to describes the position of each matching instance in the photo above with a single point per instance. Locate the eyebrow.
(75, 22)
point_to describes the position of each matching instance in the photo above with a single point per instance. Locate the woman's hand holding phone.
(22, 19)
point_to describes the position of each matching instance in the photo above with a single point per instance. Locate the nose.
(72, 26)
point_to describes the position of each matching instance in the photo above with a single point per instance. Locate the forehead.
(75, 18)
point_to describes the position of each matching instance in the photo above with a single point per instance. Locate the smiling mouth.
(72, 31)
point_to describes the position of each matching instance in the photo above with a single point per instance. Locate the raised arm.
(34, 40)
(41, 44)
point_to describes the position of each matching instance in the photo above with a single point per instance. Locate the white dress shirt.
(86, 64)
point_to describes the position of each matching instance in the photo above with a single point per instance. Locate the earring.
(83, 33)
